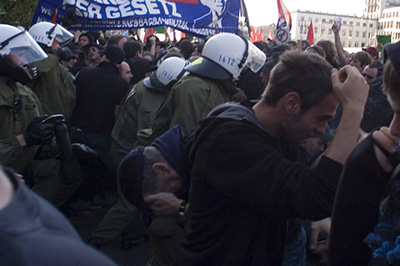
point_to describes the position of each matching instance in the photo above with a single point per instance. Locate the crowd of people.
(221, 152)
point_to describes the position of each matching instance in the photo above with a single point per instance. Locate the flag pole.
(246, 15)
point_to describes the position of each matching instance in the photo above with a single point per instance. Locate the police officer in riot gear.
(22, 127)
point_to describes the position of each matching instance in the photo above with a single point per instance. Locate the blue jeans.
(100, 143)
(295, 251)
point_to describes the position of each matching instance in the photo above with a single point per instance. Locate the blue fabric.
(199, 18)
(169, 144)
(295, 251)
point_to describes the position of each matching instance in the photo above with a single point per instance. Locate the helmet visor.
(24, 47)
(62, 35)
(255, 58)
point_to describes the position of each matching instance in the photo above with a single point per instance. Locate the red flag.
(54, 17)
(149, 32)
(253, 34)
(260, 33)
(216, 29)
(183, 35)
(284, 16)
(310, 34)
(270, 36)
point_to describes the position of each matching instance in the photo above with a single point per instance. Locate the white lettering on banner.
(114, 9)
(46, 11)
(112, 12)
(138, 5)
(172, 5)
(152, 7)
(126, 10)
(94, 10)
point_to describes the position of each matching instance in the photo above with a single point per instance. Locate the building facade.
(356, 32)
(389, 23)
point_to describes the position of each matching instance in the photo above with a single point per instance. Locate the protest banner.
(195, 17)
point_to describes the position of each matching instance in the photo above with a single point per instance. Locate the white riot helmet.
(171, 69)
(167, 74)
(19, 42)
(17, 50)
(46, 32)
(225, 55)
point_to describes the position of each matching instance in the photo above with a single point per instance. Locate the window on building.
(344, 44)
(330, 21)
(364, 24)
(349, 44)
(371, 25)
(302, 19)
(351, 22)
(391, 24)
(362, 44)
(364, 34)
(323, 20)
(357, 34)
(322, 30)
(358, 24)
(350, 33)
(356, 44)
(316, 20)
(344, 22)
(315, 30)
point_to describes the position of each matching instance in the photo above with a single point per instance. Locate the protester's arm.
(164, 203)
(351, 91)
(339, 47)
(152, 41)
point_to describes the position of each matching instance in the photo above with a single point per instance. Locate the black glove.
(37, 132)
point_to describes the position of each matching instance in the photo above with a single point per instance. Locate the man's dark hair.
(131, 47)
(292, 43)
(363, 57)
(330, 52)
(374, 64)
(305, 43)
(307, 74)
(186, 48)
(114, 39)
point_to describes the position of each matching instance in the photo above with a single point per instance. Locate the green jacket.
(14, 122)
(191, 99)
(54, 86)
(136, 113)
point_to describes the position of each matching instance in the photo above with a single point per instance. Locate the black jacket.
(98, 91)
(245, 186)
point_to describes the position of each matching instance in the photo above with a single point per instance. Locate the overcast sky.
(265, 12)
